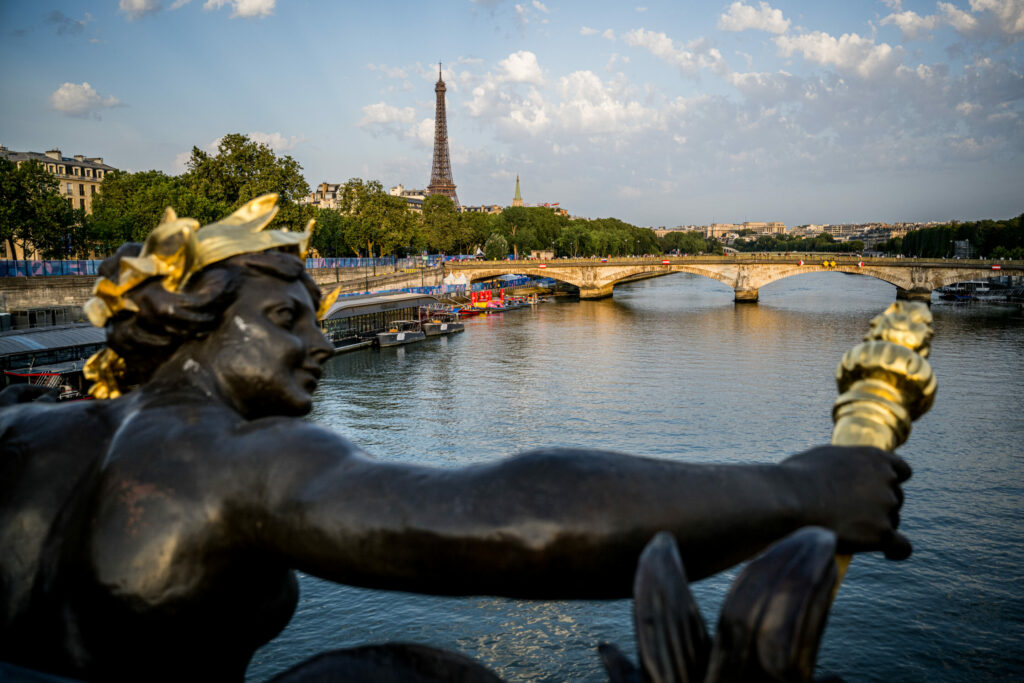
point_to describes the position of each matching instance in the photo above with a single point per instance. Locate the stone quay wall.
(23, 293)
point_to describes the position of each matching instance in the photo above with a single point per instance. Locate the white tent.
(453, 279)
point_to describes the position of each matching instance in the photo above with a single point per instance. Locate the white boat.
(401, 332)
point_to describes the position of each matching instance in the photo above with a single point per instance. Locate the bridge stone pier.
(745, 274)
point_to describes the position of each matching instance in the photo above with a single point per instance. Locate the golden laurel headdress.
(174, 251)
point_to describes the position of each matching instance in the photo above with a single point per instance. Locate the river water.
(671, 368)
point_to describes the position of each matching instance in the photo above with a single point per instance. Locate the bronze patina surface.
(162, 527)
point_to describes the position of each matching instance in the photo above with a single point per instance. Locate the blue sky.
(659, 113)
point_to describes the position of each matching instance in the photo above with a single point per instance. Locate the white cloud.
(689, 59)
(277, 142)
(521, 67)
(609, 34)
(180, 163)
(81, 101)
(178, 4)
(1002, 18)
(742, 17)
(1009, 13)
(615, 58)
(590, 107)
(523, 16)
(849, 53)
(383, 113)
(957, 18)
(383, 118)
(537, 5)
(245, 9)
(966, 108)
(640, 9)
(65, 25)
(422, 133)
(138, 8)
(587, 31)
(912, 24)
(389, 71)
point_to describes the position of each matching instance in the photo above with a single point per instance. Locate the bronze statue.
(162, 527)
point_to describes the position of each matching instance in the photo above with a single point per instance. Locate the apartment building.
(79, 176)
(325, 196)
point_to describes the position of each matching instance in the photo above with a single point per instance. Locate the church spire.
(518, 199)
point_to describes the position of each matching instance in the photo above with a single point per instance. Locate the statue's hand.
(855, 491)
(25, 393)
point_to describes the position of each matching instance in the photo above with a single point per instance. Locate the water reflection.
(671, 368)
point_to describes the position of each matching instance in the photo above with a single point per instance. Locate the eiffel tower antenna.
(441, 169)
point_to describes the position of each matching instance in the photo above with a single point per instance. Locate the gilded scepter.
(885, 383)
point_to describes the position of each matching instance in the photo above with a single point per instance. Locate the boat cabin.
(52, 356)
(353, 320)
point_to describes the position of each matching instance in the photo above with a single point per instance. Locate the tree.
(34, 213)
(329, 234)
(475, 229)
(376, 220)
(441, 223)
(574, 240)
(132, 204)
(59, 231)
(388, 222)
(495, 248)
(243, 169)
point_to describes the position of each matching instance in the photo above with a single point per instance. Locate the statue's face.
(267, 353)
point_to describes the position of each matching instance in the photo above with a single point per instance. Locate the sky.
(660, 113)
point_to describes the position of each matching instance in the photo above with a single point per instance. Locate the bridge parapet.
(745, 273)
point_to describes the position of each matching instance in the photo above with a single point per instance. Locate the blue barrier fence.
(45, 268)
(506, 282)
(41, 268)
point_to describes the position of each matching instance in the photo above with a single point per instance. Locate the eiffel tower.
(441, 170)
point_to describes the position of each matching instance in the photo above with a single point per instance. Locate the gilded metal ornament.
(885, 383)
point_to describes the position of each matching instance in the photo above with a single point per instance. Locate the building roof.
(44, 338)
(86, 162)
(375, 303)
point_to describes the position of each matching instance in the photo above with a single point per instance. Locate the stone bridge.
(745, 273)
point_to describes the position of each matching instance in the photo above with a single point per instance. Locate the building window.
(93, 189)
(81, 189)
(53, 169)
(88, 173)
(81, 204)
(78, 171)
(60, 169)
(99, 173)
(71, 202)
(70, 189)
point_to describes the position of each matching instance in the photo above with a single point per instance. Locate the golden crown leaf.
(175, 250)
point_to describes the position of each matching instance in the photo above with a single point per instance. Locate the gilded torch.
(885, 383)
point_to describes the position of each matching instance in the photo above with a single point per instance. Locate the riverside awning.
(348, 307)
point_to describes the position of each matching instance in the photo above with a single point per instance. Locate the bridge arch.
(490, 274)
(912, 278)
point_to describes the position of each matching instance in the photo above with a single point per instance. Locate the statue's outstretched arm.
(557, 523)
